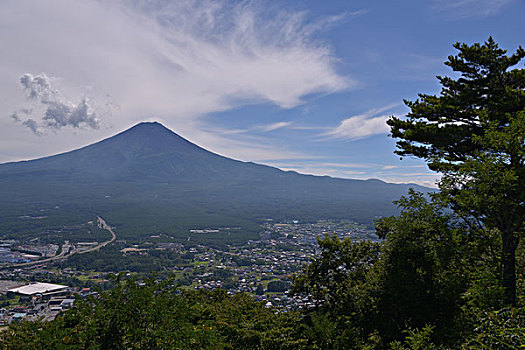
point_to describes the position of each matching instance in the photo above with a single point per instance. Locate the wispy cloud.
(361, 171)
(315, 163)
(424, 180)
(316, 167)
(177, 60)
(344, 165)
(363, 125)
(242, 145)
(275, 126)
(309, 127)
(390, 167)
(258, 128)
(325, 172)
(469, 8)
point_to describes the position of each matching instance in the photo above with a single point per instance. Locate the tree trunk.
(508, 266)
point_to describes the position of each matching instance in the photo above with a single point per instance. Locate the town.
(261, 267)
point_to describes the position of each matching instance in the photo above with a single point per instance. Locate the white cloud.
(275, 126)
(345, 165)
(184, 58)
(390, 167)
(175, 61)
(363, 125)
(317, 164)
(427, 180)
(470, 8)
(357, 127)
(38, 86)
(56, 111)
(264, 128)
(308, 127)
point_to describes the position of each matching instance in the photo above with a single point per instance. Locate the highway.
(101, 224)
(66, 248)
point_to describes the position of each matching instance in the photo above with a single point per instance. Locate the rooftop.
(37, 287)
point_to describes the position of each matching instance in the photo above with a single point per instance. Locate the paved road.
(101, 224)
(66, 248)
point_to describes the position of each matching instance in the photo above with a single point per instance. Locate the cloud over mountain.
(182, 62)
(178, 60)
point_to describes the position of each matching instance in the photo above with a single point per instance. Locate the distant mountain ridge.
(150, 169)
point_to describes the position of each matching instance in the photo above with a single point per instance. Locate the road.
(102, 224)
(66, 248)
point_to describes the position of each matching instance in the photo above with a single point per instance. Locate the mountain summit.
(152, 177)
(151, 137)
(147, 151)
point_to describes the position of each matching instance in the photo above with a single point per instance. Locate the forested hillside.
(148, 179)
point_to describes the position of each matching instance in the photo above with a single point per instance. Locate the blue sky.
(301, 85)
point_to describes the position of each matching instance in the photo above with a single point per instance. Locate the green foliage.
(485, 291)
(421, 270)
(340, 266)
(431, 284)
(503, 329)
(376, 291)
(474, 134)
(337, 283)
(158, 315)
(488, 95)
(416, 340)
(259, 290)
(278, 286)
(110, 259)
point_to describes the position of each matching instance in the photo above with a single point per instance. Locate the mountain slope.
(149, 178)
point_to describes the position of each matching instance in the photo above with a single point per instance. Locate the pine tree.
(473, 133)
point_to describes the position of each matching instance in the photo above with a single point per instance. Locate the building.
(46, 290)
